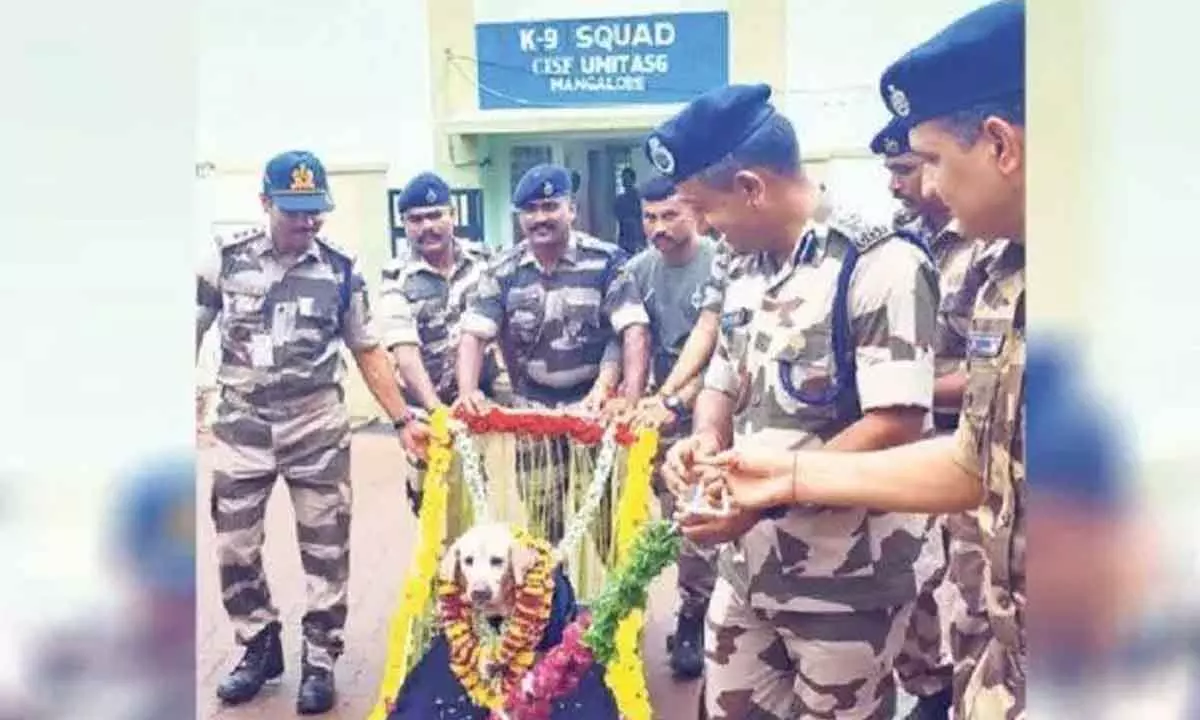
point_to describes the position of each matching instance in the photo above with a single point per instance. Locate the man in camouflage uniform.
(672, 278)
(955, 554)
(555, 302)
(287, 300)
(969, 127)
(811, 604)
(422, 298)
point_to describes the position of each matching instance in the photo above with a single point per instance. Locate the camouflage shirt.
(776, 343)
(419, 305)
(991, 438)
(961, 265)
(279, 325)
(714, 289)
(555, 325)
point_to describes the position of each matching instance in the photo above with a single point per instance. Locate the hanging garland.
(488, 673)
(585, 516)
(431, 534)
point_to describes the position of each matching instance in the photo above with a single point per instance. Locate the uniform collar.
(570, 256)
(263, 245)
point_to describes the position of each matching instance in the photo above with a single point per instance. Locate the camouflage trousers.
(968, 623)
(996, 687)
(697, 564)
(787, 665)
(922, 665)
(307, 442)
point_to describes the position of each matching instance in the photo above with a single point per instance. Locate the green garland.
(653, 550)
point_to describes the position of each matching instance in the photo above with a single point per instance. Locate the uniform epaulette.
(860, 233)
(225, 242)
(591, 242)
(335, 249)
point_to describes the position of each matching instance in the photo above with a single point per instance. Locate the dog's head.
(488, 562)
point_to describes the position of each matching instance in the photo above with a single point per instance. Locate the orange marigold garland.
(521, 634)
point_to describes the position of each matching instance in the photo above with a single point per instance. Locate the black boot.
(317, 693)
(262, 662)
(686, 647)
(932, 707)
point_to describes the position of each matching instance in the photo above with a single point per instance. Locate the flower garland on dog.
(590, 640)
(487, 674)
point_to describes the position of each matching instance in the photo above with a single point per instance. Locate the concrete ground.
(383, 531)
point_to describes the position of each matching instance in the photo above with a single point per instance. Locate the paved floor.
(382, 533)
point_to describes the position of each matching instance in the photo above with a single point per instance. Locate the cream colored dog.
(488, 564)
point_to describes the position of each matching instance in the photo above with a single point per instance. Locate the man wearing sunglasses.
(826, 340)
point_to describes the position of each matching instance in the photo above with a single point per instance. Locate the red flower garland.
(556, 676)
(544, 423)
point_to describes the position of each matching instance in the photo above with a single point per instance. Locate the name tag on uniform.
(986, 345)
(283, 324)
(262, 351)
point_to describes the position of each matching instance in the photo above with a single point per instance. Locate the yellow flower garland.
(418, 586)
(626, 675)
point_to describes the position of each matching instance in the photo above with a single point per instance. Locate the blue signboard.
(468, 213)
(602, 61)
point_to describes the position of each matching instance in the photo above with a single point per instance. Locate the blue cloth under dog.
(431, 692)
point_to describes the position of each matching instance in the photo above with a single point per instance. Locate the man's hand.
(678, 465)
(593, 402)
(758, 475)
(472, 403)
(653, 413)
(414, 438)
(708, 530)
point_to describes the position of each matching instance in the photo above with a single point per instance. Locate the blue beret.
(976, 59)
(658, 187)
(542, 182)
(892, 140)
(708, 129)
(295, 181)
(424, 190)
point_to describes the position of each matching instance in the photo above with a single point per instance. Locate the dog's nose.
(481, 595)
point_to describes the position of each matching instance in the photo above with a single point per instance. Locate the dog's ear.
(449, 570)
(521, 559)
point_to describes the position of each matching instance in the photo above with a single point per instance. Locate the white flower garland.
(472, 471)
(586, 514)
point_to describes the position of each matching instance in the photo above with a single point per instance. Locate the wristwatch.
(403, 420)
(675, 405)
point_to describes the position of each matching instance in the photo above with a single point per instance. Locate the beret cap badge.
(662, 158)
(899, 101)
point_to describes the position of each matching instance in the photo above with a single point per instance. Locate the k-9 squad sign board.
(646, 59)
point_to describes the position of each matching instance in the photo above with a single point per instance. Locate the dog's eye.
(497, 561)
(469, 560)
